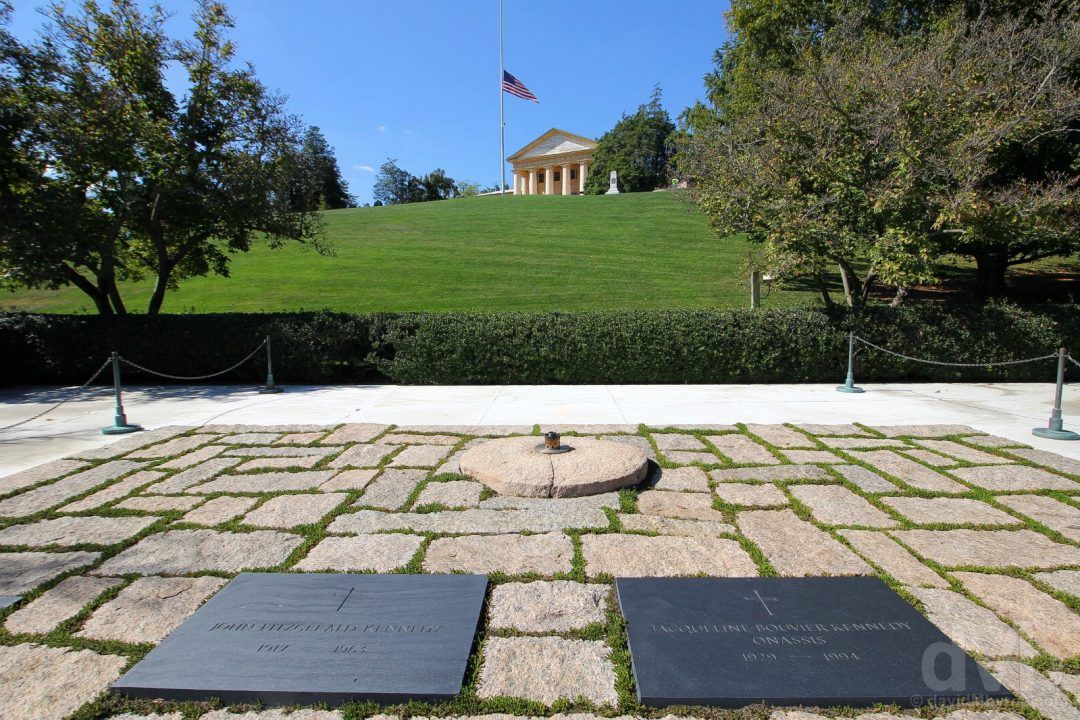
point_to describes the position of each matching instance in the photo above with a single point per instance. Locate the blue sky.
(418, 80)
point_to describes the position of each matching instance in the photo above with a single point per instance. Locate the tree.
(638, 148)
(467, 189)
(439, 186)
(130, 180)
(884, 152)
(395, 186)
(318, 184)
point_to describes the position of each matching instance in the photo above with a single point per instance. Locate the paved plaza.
(108, 550)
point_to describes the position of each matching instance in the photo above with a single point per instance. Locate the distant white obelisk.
(613, 183)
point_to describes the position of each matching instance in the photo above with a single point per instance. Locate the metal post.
(849, 384)
(120, 424)
(270, 387)
(1054, 429)
(502, 117)
(755, 289)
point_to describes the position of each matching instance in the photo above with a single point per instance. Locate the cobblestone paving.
(113, 549)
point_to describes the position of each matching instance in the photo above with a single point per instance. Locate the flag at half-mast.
(514, 86)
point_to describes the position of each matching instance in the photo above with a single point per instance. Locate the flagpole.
(502, 120)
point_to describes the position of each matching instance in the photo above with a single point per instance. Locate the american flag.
(514, 86)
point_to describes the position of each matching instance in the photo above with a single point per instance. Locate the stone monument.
(733, 642)
(580, 466)
(613, 183)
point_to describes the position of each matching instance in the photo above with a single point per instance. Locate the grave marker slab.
(733, 642)
(312, 638)
(9, 600)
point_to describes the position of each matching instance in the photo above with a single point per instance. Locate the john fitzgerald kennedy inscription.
(790, 641)
(311, 638)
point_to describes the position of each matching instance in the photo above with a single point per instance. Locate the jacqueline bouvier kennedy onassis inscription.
(790, 641)
(309, 638)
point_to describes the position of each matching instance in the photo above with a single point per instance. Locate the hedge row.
(676, 346)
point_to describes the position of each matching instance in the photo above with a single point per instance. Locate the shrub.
(627, 346)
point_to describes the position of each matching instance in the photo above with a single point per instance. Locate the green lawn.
(646, 250)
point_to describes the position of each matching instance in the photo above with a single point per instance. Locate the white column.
(566, 179)
(549, 179)
(516, 182)
(532, 183)
(582, 169)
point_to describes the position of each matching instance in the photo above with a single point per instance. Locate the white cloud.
(381, 128)
(363, 168)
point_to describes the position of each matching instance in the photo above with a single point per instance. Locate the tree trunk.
(162, 284)
(898, 298)
(990, 274)
(823, 288)
(99, 296)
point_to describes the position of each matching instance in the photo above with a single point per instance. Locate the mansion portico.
(556, 163)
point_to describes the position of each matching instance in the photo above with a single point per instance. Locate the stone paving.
(112, 549)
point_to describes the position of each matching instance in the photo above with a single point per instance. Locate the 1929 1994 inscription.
(310, 638)
(790, 641)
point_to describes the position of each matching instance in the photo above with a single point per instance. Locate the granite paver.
(741, 449)
(887, 554)
(377, 553)
(866, 480)
(1052, 513)
(673, 526)
(21, 572)
(963, 452)
(688, 505)
(60, 603)
(1011, 478)
(780, 436)
(288, 511)
(1051, 460)
(47, 683)
(451, 494)
(83, 530)
(219, 510)
(989, 548)
(178, 552)
(971, 626)
(545, 554)
(771, 474)
(264, 482)
(41, 473)
(471, 521)
(924, 431)
(547, 606)
(645, 556)
(159, 503)
(192, 458)
(949, 511)
(350, 480)
(1044, 619)
(391, 489)
(546, 669)
(1035, 688)
(836, 505)
(149, 609)
(202, 472)
(363, 456)
(354, 433)
(684, 478)
(114, 492)
(46, 496)
(425, 456)
(795, 548)
(176, 446)
(676, 441)
(1066, 581)
(909, 471)
(750, 495)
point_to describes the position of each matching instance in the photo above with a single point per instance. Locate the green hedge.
(677, 346)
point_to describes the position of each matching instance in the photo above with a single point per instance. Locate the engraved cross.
(757, 596)
(343, 600)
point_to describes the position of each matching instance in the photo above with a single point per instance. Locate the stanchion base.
(120, 429)
(270, 390)
(849, 389)
(1055, 434)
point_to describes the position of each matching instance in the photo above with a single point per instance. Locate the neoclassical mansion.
(556, 163)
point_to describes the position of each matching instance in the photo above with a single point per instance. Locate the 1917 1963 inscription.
(790, 641)
(309, 638)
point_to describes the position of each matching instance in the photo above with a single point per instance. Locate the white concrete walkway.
(1007, 409)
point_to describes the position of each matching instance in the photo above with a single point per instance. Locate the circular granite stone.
(512, 466)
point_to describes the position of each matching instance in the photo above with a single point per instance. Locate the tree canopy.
(638, 148)
(396, 186)
(108, 175)
(319, 184)
(883, 150)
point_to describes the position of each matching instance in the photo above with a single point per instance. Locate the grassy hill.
(486, 253)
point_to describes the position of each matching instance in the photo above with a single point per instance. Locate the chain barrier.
(71, 396)
(956, 364)
(193, 377)
(1073, 360)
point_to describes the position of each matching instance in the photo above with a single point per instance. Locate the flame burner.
(552, 444)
